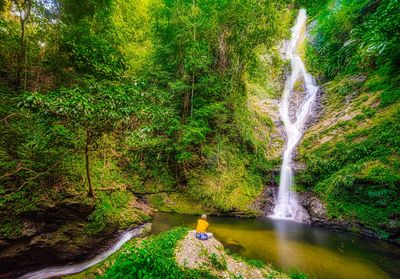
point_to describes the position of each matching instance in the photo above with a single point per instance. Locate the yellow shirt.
(202, 225)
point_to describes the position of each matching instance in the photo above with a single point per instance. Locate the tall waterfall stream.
(287, 205)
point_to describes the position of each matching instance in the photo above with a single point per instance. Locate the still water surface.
(320, 253)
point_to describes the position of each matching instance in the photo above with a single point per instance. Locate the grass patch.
(100, 268)
(294, 274)
(154, 258)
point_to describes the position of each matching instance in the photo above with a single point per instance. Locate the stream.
(57, 271)
(320, 253)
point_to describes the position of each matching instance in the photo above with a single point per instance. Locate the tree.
(94, 107)
(201, 50)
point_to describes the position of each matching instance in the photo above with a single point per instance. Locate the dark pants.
(203, 236)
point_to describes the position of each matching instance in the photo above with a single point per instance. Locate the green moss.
(232, 185)
(255, 263)
(352, 154)
(294, 274)
(177, 202)
(357, 174)
(115, 209)
(263, 82)
(264, 72)
(251, 262)
(298, 86)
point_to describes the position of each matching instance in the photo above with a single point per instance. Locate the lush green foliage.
(313, 7)
(160, 98)
(154, 258)
(145, 96)
(354, 163)
(361, 37)
(358, 175)
(94, 106)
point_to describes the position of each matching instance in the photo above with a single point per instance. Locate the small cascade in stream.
(57, 271)
(294, 118)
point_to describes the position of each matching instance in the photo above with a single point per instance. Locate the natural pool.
(320, 253)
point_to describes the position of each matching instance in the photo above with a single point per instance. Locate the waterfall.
(287, 205)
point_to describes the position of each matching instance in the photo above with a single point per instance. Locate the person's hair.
(203, 216)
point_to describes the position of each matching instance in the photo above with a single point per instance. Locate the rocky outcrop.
(266, 202)
(318, 217)
(317, 211)
(210, 255)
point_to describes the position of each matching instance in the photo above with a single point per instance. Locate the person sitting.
(202, 226)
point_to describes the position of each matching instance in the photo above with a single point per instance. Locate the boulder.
(210, 255)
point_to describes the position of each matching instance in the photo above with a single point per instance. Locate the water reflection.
(317, 252)
(284, 246)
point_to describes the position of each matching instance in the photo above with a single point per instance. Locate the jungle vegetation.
(106, 101)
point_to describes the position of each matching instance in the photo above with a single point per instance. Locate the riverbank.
(283, 245)
(59, 232)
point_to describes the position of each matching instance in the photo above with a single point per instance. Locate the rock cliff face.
(348, 157)
(53, 235)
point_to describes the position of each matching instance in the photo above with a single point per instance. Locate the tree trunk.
(87, 161)
(194, 39)
(21, 55)
(186, 105)
(191, 97)
(24, 10)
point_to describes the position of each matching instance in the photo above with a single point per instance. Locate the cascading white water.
(287, 205)
(57, 271)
